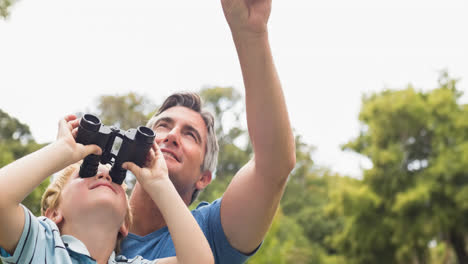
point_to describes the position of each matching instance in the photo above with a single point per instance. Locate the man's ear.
(124, 229)
(204, 180)
(54, 215)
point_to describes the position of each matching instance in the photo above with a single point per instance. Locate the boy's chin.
(100, 210)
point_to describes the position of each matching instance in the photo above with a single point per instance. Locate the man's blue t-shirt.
(159, 243)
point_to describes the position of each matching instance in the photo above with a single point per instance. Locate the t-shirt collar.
(76, 245)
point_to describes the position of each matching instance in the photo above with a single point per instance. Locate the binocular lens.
(90, 122)
(144, 134)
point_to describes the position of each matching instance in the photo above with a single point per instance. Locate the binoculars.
(135, 144)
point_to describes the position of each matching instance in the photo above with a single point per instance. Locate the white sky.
(57, 56)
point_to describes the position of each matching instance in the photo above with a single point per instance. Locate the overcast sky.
(57, 56)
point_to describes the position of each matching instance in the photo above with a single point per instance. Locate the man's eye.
(192, 135)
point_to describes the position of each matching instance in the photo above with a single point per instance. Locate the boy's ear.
(54, 215)
(124, 229)
(204, 180)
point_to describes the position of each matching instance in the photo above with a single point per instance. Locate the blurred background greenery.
(411, 206)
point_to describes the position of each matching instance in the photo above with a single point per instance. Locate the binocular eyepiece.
(134, 146)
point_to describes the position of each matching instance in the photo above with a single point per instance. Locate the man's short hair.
(194, 102)
(51, 197)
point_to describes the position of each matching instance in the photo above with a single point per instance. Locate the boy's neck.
(99, 239)
(146, 215)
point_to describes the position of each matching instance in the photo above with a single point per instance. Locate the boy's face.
(94, 198)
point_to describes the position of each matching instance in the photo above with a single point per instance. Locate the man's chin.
(172, 166)
(169, 158)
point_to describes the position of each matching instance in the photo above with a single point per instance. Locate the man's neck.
(146, 215)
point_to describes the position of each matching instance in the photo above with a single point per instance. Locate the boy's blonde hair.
(51, 197)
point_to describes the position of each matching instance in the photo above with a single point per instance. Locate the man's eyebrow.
(187, 127)
(163, 119)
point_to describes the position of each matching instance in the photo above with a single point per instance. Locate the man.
(236, 224)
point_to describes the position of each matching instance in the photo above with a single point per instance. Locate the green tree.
(234, 149)
(306, 202)
(285, 243)
(125, 111)
(416, 191)
(5, 6)
(16, 141)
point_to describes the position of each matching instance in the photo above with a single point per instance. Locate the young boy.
(85, 217)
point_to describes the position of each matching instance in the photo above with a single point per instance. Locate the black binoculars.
(134, 146)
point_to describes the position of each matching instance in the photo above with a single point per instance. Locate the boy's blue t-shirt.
(159, 243)
(41, 242)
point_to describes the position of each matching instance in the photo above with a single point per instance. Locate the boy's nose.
(104, 175)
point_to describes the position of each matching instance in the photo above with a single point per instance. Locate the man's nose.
(172, 138)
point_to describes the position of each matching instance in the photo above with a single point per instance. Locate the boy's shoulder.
(39, 233)
(41, 242)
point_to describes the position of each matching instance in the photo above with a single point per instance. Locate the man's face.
(96, 197)
(181, 135)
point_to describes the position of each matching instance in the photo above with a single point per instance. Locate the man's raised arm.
(252, 198)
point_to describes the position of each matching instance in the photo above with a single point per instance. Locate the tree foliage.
(16, 141)
(224, 101)
(4, 7)
(125, 111)
(416, 191)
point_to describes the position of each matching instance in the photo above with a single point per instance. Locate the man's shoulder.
(207, 205)
(206, 210)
